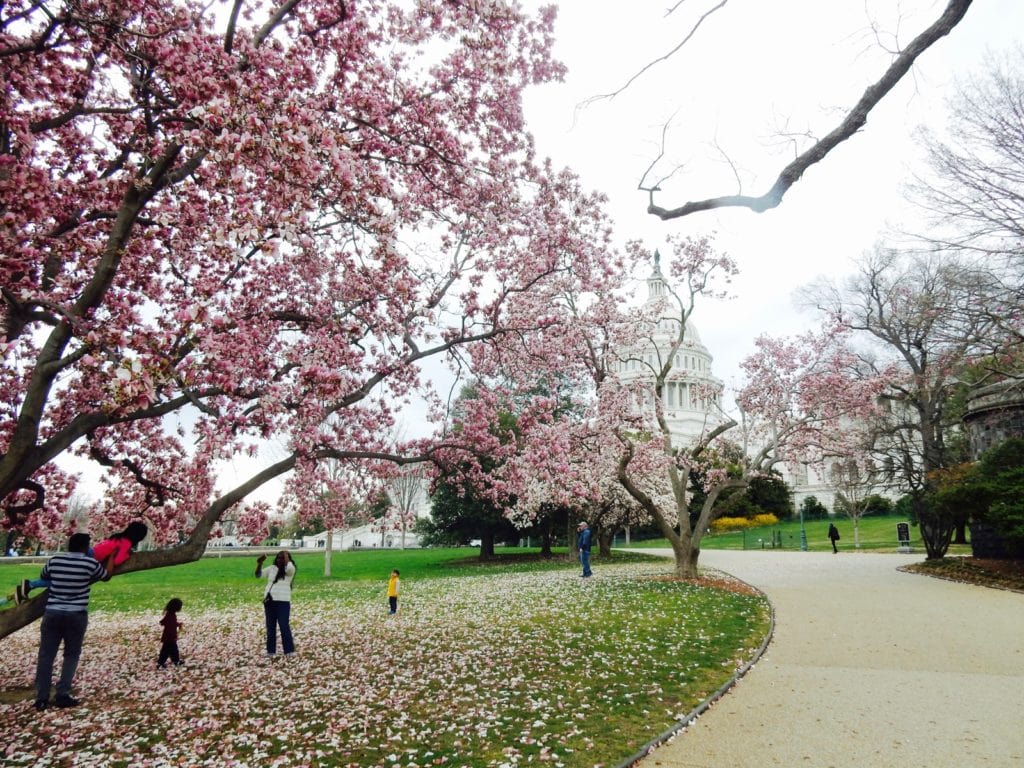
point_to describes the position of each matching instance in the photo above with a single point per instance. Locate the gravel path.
(869, 667)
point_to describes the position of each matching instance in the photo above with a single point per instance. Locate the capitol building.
(692, 391)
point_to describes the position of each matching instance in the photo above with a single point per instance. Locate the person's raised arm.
(259, 565)
(108, 566)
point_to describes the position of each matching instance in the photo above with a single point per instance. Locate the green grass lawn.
(486, 664)
(218, 581)
(877, 534)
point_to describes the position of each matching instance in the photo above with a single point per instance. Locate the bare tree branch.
(649, 65)
(852, 123)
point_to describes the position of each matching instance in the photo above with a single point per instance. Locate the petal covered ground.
(489, 670)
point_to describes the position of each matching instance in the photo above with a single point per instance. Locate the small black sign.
(903, 533)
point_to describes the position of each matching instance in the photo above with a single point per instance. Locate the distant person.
(393, 583)
(583, 539)
(833, 535)
(111, 552)
(277, 600)
(169, 635)
(70, 575)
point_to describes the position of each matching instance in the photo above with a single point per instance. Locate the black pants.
(393, 604)
(168, 651)
(56, 627)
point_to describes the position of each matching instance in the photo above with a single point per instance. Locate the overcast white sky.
(753, 70)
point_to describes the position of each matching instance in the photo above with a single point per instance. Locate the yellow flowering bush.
(729, 524)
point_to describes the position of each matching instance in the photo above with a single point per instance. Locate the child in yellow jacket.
(393, 591)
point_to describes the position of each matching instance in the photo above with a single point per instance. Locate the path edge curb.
(648, 748)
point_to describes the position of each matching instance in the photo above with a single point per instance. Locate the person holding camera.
(277, 600)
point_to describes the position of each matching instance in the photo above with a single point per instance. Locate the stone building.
(994, 413)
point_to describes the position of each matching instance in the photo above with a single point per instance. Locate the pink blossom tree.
(791, 408)
(222, 231)
(795, 407)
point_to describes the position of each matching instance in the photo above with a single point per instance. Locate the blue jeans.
(57, 626)
(585, 560)
(277, 613)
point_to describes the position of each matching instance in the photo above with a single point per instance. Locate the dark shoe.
(41, 705)
(21, 591)
(65, 702)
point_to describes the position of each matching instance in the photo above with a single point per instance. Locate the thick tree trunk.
(686, 561)
(545, 540)
(604, 542)
(960, 532)
(487, 546)
(328, 549)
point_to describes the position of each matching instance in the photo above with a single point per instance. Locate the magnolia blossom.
(269, 232)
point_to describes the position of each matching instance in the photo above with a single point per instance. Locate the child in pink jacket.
(110, 553)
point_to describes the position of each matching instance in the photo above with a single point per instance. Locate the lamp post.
(803, 530)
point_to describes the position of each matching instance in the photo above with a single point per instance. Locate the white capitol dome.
(689, 405)
(688, 409)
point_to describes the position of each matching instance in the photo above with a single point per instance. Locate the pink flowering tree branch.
(223, 233)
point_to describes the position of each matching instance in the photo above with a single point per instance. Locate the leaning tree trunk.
(191, 550)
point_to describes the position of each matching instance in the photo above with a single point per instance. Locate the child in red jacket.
(169, 636)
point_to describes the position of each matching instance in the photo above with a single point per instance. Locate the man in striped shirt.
(71, 574)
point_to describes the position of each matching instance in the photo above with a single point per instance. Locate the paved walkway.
(869, 667)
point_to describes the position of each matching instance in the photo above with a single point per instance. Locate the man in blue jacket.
(583, 537)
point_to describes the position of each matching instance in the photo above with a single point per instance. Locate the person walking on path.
(833, 535)
(70, 576)
(277, 600)
(583, 539)
(169, 635)
(393, 583)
